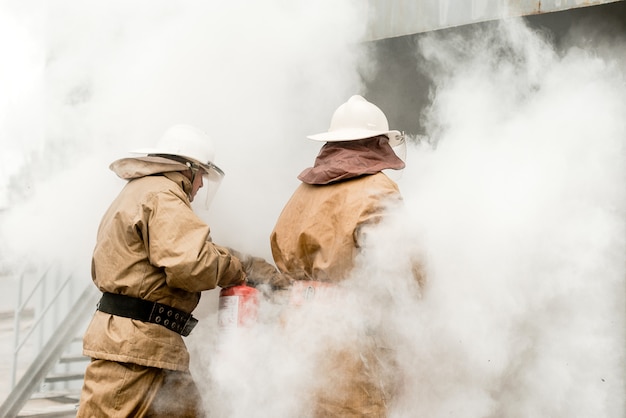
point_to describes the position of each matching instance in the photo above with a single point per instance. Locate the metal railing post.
(16, 328)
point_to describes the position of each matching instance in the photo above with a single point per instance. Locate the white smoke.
(517, 214)
(520, 211)
(256, 76)
(517, 217)
(85, 82)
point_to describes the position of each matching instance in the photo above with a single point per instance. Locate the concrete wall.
(390, 18)
(401, 89)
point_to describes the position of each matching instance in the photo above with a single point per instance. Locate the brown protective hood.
(344, 160)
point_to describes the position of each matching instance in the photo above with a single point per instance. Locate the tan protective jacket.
(316, 238)
(317, 234)
(151, 245)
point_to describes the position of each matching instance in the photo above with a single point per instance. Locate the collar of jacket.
(338, 161)
(179, 178)
(136, 167)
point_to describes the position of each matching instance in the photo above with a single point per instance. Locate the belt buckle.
(189, 326)
(169, 318)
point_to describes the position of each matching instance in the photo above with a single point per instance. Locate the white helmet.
(358, 119)
(188, 142)
(195, 147)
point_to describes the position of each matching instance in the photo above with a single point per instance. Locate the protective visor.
(212, 176)
(398, 145)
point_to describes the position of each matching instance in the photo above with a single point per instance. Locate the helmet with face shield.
(194, 148)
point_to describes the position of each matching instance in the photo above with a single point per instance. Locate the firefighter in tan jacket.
(318, 234)
(152, 260)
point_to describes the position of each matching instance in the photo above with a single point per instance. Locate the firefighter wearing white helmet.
(152, 259)
(319, 233)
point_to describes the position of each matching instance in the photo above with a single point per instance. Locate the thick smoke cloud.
(82, 83)
(115, 75)
(514, 206)
(520, 211)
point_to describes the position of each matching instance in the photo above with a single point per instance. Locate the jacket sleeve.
(178, 242)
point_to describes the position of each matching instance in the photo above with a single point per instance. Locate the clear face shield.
(398, 145)
(211, 176)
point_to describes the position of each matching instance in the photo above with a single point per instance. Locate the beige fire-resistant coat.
(317, 237)
(317, 234)
(151, 245)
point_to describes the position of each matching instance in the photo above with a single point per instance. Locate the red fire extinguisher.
(238, 307)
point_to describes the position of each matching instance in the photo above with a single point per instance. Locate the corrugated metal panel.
(390, 18)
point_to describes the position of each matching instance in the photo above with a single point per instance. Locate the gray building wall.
(401, 88)
(390, 18)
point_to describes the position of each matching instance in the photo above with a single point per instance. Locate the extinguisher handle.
(249, 283)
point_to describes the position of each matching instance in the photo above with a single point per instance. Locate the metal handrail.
(50, 352)
(44, 307)
(17, 318)
(41, 315)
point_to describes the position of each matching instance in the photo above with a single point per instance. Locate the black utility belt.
(146, 311)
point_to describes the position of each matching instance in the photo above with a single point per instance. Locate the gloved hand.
(260, 272)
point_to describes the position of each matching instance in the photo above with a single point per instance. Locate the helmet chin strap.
(191, 172)
(193, 169)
